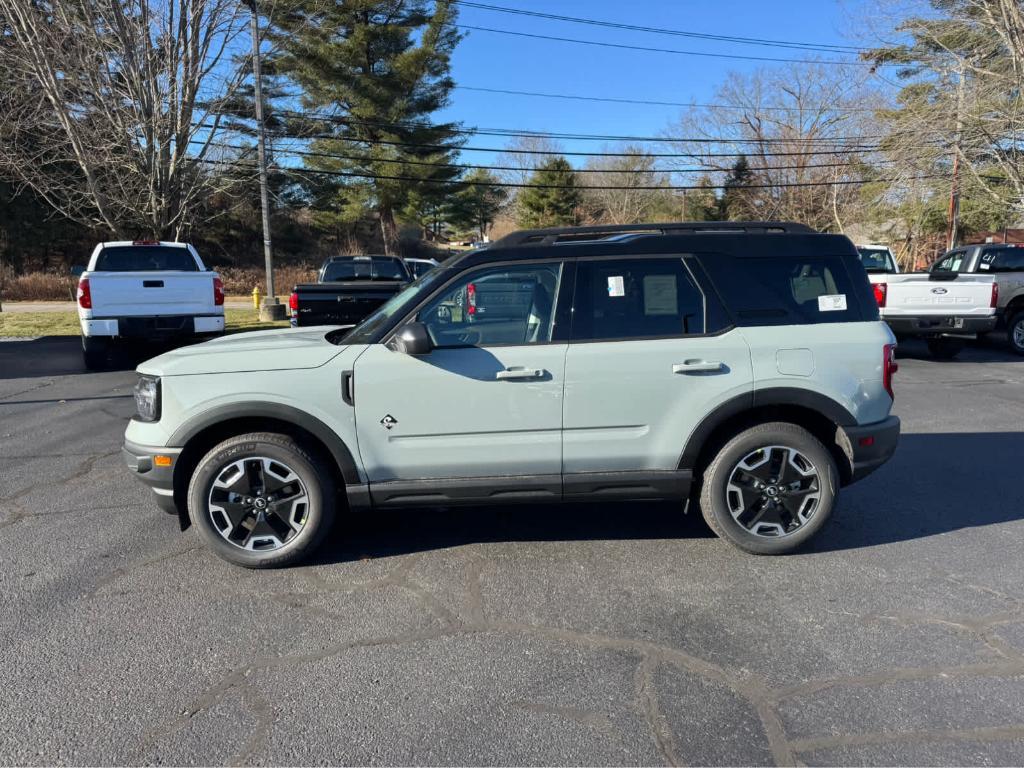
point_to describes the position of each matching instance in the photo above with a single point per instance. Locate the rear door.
(650, 355)
(149, 280)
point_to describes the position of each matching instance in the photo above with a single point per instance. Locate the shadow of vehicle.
(983, 350)
(935, 484)
(62, 356)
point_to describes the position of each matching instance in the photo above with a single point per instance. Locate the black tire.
(96, 352)
(312, 473)
(1015, 333)
(945, 349)
(716, 500)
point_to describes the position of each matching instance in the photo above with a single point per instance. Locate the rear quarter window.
(145, 258)
(781, 290)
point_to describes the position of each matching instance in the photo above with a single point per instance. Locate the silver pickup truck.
(944, 306)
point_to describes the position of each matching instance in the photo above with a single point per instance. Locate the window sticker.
(985, 265)
(834, 303)
(660, 295)
(616, 286)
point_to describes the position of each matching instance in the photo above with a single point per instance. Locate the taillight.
(994, 301)
(293, 304)
(84, 294)
(889, 367)
(881, 292)
(218, 292)
(471, 299)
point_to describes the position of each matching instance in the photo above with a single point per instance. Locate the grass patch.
(66, 323)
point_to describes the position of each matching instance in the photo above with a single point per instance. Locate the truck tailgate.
(147, 294)
(917, 295)
(342, 303)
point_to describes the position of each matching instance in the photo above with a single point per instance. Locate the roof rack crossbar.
(590, 233)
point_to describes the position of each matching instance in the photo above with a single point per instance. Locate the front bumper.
(868, 447)
(141, 460)
(940, 325)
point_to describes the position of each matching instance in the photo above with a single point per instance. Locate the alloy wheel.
(773, 491)
(258, 504)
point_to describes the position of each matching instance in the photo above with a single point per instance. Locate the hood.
(278, 350)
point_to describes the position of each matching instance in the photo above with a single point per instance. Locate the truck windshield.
(366, 331)
(365, 269)
(145, 258)
(877, 260)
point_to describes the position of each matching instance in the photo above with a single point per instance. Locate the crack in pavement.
(994, 733)
(647, 703)
(20, 513)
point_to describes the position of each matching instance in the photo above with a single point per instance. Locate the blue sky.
(485, 59)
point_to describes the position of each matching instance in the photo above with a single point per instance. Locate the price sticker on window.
(832, 303)
(616, 286)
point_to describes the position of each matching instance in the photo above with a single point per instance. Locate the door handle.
(516, 374)
(698, 366)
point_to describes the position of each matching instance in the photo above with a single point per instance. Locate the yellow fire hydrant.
(256, 297)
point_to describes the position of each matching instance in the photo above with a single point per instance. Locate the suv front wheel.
(769, 489)
(262, 500)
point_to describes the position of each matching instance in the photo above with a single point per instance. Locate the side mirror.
(413, 339)
(77, 271)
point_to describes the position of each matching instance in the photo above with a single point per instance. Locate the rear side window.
(145, 258)
(785, 291)
(365, 269)
(1002, 260)
(635, 298)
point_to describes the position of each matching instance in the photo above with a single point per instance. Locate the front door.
(481, 414)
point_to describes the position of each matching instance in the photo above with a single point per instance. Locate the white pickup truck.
(944, 307)
(145, 290)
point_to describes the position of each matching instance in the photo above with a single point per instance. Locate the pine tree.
(553, 201)
(477, 204)
(735, 202)
(378, 69)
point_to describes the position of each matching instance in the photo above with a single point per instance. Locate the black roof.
(556, 235)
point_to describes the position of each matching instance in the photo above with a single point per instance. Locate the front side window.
(635, 298)
(495, 306)
(951, 262)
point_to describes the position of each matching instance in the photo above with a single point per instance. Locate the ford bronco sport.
(740, 367)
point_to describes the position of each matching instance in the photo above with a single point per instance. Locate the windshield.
(364, 269)
(392, 308)
(877, 260)
(145, 258)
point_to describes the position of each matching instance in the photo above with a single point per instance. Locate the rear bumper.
(140, 459)
(870, 446)
(162, 326)
(940, 325)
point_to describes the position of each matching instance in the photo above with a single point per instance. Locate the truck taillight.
(471, 299)
(84, 294)
(881, 292)
(994, 301)
(889, 367)
(293, 303)
(218, 292)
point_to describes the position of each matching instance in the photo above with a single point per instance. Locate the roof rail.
(575, 234)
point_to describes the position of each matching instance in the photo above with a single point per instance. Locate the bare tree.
(634, 173)
(115, 105)
(525, 154)
(805, 131)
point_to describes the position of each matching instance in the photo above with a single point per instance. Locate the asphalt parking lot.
(579, 635)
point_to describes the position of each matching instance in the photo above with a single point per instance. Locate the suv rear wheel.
(262, 500)
(769, 489)
(1015, 333)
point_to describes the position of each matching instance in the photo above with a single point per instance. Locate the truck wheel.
(769, 489)
(1015, 333)
(262, 500)
(95, 352)
(945, 349)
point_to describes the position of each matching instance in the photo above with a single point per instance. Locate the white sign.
(835, 303)
(616, 286)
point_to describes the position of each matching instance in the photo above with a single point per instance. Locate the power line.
(652, 102)
(823, 47)
(381, 177)
(466, 166)
(649, 49)
(516, 132)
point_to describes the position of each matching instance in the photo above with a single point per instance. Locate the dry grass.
(238, 281)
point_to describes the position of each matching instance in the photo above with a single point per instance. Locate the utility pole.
(271, 308)
(953, 233)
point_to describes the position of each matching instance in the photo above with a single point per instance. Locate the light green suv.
(738, 366)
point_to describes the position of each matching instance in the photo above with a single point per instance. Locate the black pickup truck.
(348, 288)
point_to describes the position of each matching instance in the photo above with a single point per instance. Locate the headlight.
(147, 398)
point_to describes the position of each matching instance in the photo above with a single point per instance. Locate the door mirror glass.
(413, 339)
